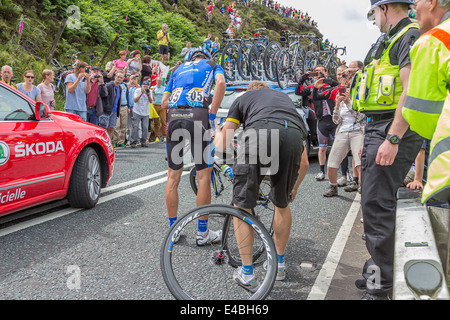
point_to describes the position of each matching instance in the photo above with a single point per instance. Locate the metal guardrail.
(422, 240)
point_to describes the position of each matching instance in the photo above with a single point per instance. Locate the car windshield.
(229, 98)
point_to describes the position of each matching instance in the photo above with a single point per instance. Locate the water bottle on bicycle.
(227, 171)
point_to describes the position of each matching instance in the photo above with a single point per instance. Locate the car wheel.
(85, 181)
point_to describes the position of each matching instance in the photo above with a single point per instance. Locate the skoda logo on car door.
(4, 153)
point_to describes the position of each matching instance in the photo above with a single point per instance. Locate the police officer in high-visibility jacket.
(389, 146)
(427, 105)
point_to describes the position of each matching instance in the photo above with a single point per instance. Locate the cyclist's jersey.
(191, 82)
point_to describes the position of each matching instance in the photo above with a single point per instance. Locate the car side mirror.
(41, 111)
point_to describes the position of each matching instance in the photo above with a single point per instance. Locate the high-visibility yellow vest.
(427, 105)
(378, 88)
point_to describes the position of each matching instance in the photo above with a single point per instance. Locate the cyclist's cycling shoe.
(211, 237)
(281, 272)
(251, 285)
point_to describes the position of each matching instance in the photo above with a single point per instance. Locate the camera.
(86, 70)
(147, 91)
(97, 76)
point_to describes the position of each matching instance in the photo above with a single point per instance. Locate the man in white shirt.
(140, 115)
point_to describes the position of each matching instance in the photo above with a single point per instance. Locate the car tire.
(85, 181)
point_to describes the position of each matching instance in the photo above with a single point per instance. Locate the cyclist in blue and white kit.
(188, 98)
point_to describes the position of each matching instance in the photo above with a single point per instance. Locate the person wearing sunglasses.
(389, 145)
(27, 87)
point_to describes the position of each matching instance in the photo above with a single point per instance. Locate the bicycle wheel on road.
(204, 273)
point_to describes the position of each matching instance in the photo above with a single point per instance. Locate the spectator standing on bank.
(209, 10)
(121, 63)
(135, 63)
(163, 42)
(207, 42)
(215, 46)
(140, 114)
(146, 68)
(108, 74)
(47, 88)
(185, 52)
(78, 87)
(27, 87)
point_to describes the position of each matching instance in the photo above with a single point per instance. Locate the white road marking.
(323, 280)
(66, 211)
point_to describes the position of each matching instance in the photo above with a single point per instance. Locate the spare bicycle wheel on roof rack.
(256, 59)
(229, 60)
(272, 49)
(243, 62)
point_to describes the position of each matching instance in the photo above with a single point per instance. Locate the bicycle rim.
(202, 273)
(283, 69)
(269, 59)
(256, 58)
(228, 62)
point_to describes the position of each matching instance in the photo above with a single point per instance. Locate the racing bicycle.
(193, 272)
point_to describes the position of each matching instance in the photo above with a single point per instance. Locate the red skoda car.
(49, 155)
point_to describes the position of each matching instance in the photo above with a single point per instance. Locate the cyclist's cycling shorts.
(325, 128)
(188, 127)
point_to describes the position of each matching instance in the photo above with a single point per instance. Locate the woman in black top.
(146, 67)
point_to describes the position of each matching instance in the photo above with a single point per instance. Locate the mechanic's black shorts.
(163, 49)
(278, 158)
(189, 126)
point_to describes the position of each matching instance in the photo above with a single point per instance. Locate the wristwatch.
(393, 138)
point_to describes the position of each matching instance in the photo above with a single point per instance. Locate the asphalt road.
(111, 252)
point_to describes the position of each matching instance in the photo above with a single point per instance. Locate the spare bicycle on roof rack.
(282, 62)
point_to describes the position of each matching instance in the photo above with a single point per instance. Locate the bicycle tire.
(269, 58)
(243, 64)
(256, 58)
(283, 68)
(228, 62)
(203, 273)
